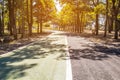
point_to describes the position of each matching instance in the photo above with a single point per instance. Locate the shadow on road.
(96, 52)
(39, 49)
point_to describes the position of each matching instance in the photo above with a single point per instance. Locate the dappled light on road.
(45, 58)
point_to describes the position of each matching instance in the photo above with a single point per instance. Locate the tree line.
(18, 16)
(76, 15)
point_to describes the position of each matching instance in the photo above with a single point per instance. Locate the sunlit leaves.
(66, 14)
(100, 9)
(118, 16)
(45, 9)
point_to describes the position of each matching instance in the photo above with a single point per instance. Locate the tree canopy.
(22, 17)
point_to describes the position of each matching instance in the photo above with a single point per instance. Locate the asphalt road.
(45, 59)
(94, 61)
(48, 59)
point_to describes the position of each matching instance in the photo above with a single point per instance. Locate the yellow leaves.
(0, 6)
(66, 14)
(42, 3)
(100, 9)
(118, 16)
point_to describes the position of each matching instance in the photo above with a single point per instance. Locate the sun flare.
(57, 5)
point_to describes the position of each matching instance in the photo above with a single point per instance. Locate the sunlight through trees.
(30, 16)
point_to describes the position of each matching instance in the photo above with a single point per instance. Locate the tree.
(2, 17)
(79, 11)
(44, 11)
(12, 20)
(115, 7)
(106, 22)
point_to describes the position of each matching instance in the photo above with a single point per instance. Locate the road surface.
(45, 59)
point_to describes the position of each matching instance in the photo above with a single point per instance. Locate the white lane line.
(68, 64)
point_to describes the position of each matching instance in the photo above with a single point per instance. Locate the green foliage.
(100, 9)
(118, 16)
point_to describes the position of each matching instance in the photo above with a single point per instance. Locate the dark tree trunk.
(14, 20)
(23, 27)
(23, 23)
(0, 27)
(110, 22)
(41, 20)
(38, 28)
(106, 22)
(9, 23)
(116, 30)
(2, 20)
(3, 17)
(78, 21)
(115, 13)
(12, 23)
(97, 25)
(82, 22)
(31, 18)
(27, 15)
(41, 26)
(97, 20)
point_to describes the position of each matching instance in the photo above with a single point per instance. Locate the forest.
(23, 18)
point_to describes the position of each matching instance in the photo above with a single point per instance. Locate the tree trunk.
(2, 20)
(38, 28)
(106, 22)
(115, 13)
(14, 20)
(116, 30)
(78, 21)
(31, 18)
(97, 21)
(23, 23)
(9, 23)
(12, 23)
(3, 17)
(41, 21)
(0, 27)
(23, 27)
(110, 22)
(41, 26)
(97, 25)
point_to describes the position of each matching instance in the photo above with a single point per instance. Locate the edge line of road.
(68, 64)
(68, 61)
